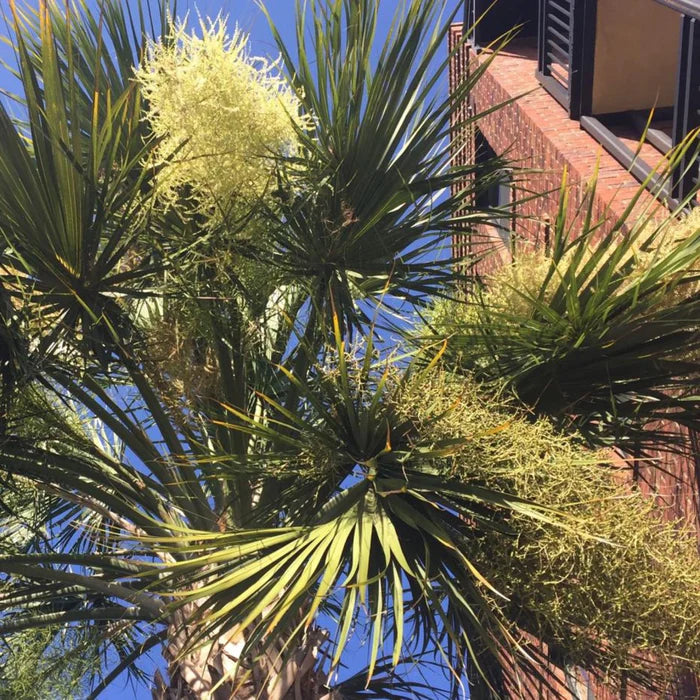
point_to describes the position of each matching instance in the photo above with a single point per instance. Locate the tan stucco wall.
(636, 55)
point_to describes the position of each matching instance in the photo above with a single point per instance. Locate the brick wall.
(536, 133)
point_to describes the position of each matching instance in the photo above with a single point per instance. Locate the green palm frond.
(74, 184)
(601, 335)
(96, 49)
(376, 522)
(58, 611)
(366, 205)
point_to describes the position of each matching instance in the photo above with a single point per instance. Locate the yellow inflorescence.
(221, 117)
(515, 292)
(613, 569)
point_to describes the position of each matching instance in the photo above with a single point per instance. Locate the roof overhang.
(687, 7)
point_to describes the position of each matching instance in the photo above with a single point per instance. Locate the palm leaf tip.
(421, 524)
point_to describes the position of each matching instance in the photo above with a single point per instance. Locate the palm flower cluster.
(221, 117)
(514, 289)
(587, 570)
(535, 272)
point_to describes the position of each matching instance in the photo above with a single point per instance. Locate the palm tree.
(209, 445)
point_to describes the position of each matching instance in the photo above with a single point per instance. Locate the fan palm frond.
(74, 182)
(366, 203)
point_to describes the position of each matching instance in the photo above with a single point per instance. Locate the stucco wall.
(636, 55)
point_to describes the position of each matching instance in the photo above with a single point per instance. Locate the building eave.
(687, 7)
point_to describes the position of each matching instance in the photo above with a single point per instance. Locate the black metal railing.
(556, 47)
(687, 109)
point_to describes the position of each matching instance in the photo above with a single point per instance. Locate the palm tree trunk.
(216, 671)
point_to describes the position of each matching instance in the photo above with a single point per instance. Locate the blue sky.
(249, 17)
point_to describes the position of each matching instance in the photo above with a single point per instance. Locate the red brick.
(536, 132)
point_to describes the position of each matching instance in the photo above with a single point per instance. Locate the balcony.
(612, 64)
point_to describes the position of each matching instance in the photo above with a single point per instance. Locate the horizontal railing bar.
(559, 8)
(564, 49)
(624, 155)
(555, 61)
(565, 39)
(688, 7)
(655, 137)
(552, 16)
(560, 22)
(659, 139)
(560, 79)
(560, 72)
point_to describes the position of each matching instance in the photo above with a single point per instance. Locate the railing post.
(575, 52)
(542, 66)
(566, 52)
(583, 57)
(687, 111)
